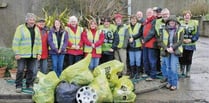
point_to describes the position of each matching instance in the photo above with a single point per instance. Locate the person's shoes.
(188, 75)
(137, 76)
(163, 80)
(149, 79)
(173, 88)
(18, 90)
(144, 75)
(168, 86)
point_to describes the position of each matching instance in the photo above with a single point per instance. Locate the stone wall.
(205, 30)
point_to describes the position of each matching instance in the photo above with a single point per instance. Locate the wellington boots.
(132, 71)
(188, 67)
(182, 69)
(128, 71)
(137, 73)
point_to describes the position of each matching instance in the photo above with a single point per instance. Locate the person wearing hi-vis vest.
(170, 41)
(122, 32)
(110, 42)
(57, 40)
(26, 45)
(134, 50)
(189, 45)
(75, 43)
(159, 25)
(93, 39)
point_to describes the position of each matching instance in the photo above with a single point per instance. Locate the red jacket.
(150, 41)
(44, 39)
(70, 44)
(98, 43)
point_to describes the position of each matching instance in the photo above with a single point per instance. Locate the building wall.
(13, 15)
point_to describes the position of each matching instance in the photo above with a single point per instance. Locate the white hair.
(73, 18)
(165, 10)
(30, 15)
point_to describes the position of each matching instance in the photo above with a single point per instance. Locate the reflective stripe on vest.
(191, 25)
(88, 49)
(135, 32)
(165, 36)
(121, 34)
(22, 42)
(159, 25)
(74, 38)
(54, 38)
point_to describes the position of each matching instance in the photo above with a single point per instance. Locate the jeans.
(150, 61)
(31, 65)
(171, 63)
(135, 58)
(72, 59)
(57, 63)
(44, 66)
(163, 68)
(94, 62)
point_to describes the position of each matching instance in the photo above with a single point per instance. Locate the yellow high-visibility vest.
(88, 49)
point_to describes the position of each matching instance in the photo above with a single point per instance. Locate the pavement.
(190, 90)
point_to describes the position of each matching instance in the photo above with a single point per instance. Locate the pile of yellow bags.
(104, 81)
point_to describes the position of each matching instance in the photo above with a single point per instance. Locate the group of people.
(159, 42)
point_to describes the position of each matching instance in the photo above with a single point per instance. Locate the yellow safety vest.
(191, 26)
(54, 37)
(88, 49)
(135, 32)
(74, 38)
(121, 34)
(159, 25)
(165, 37)
(21, 43)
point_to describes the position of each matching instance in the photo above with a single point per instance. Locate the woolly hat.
(172, 18)
(41, 20)
(118, 16)
(157, 9)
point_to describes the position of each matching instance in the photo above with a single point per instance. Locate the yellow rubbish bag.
(101, 86)
(123, 91)
(110, 69)
(78, 73)
(44, 90)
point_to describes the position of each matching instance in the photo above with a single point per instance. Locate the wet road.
(190, 90)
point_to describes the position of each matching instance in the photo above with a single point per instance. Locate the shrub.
(199, 7)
